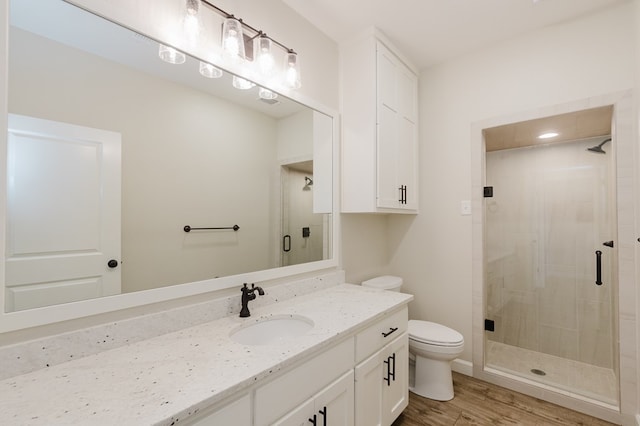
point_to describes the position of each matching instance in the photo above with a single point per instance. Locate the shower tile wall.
(547, 217)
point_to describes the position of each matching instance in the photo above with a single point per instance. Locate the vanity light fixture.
(548, 135)
(233, 44)
(191, 20)
(233, 38)
(264, 57)
(292, 70)
(171, 55)
(209, 71)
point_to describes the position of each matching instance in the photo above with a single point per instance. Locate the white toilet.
(434, 347)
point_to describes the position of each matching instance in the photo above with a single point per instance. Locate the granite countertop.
(165, 379)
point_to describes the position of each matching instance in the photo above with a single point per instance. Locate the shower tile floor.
(572, 376)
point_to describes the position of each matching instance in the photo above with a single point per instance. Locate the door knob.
(112, 263)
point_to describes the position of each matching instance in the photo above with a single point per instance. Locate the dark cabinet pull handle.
(388, 378)
(391, 331)
(286, 243)
(324, 415)
(598, 267)
(403, 194)
(393, 369)
(313, 420)
(112, 263)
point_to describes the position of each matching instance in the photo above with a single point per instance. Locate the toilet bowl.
(434, 347)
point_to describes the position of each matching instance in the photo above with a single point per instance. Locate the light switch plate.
(465, 207)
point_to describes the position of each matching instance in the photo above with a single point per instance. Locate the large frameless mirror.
(127, 173)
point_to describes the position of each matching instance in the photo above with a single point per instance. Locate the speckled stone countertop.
(165, 379)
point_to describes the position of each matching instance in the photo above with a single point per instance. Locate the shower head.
(598, 148)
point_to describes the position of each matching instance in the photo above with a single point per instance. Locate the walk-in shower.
(547, 319)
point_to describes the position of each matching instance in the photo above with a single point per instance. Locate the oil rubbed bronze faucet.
(248, 294)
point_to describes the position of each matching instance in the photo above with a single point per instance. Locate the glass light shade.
(264, 57)
(267, 94)
(209, 71)
(241, 83)
(232, 38)
(191, 21)
(292, 71)
(171, 55)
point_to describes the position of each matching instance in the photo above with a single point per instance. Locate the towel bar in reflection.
(188, 228)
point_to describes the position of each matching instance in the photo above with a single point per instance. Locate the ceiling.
(432, 31)
(572, 126)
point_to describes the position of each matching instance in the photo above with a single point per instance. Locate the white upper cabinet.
(380, 128)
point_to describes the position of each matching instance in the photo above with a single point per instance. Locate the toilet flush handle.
(390, 332)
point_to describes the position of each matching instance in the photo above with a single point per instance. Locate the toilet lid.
(434, 333)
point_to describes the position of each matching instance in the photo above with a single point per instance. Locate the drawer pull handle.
(391, 331)
(313, 420)
(324, 416)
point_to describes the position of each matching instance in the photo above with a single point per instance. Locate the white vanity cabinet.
(382, 379)
(380, 127)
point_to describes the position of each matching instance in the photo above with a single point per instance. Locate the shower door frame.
(626, 314)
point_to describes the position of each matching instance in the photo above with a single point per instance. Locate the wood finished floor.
(481, 403)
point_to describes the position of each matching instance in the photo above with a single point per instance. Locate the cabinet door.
(382, 384)
(332, 406)
(369, 381)
(387, 190)
(407, 142)
(395, 387)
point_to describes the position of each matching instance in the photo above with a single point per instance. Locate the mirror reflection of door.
(302, 230)
(63, 213)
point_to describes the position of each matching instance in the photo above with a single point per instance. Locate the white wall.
(295, 137)
(563, 63)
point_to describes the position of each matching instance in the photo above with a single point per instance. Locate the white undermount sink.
(272, 330)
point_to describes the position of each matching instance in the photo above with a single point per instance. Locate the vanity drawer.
(381, 333)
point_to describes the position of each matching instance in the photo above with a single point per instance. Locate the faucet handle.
(260, 290)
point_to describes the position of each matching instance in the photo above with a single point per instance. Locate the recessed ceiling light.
(548, 135)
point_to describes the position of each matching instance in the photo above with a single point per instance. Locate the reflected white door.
(63, 213)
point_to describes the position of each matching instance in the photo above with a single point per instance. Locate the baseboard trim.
(463, 367)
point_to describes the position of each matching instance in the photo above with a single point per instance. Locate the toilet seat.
(435, 334)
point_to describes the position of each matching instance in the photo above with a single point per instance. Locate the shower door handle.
(598, 267)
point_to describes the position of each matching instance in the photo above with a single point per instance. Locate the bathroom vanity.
(200, 375)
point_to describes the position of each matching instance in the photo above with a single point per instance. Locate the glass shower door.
(550, 214)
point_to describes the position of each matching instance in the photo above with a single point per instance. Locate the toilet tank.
(385, 282)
